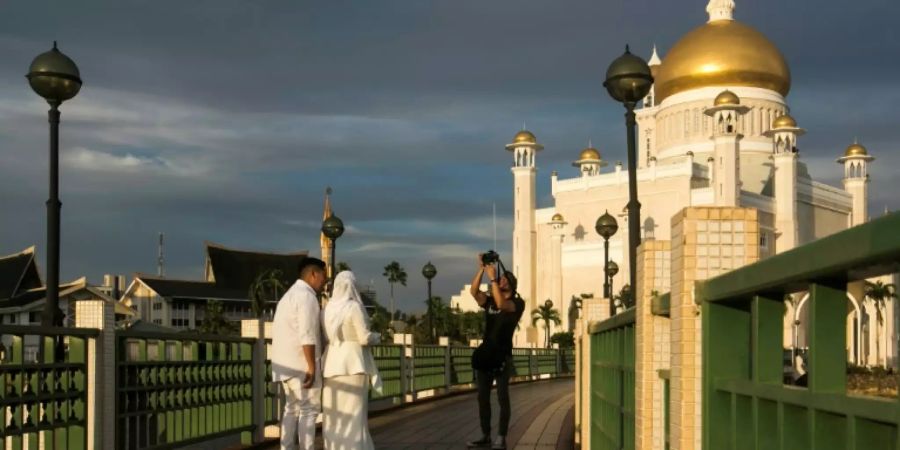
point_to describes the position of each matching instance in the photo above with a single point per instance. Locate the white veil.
(343, 299)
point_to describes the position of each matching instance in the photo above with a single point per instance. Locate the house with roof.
(229, 275)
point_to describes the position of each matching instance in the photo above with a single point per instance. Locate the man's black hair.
(305, 263)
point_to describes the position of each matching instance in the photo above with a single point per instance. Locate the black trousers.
(484, 380)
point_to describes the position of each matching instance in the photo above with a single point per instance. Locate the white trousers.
(301, 407)
(345, 410)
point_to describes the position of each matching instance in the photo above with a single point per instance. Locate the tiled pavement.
(541, 419)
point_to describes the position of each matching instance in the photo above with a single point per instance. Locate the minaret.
(324, 242)
(720, 10)
(726, 182)
(856, 180)
(524, 147)
(654, 64)
(589, 162)
(784, 133)
(556, 294)
(646, 120)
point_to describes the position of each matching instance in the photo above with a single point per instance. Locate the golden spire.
(324, 242)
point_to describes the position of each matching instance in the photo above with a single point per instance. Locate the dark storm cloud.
(224, 120)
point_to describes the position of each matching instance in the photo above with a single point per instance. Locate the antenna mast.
(160, 260)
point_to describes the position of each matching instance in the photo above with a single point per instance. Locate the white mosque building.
(715, 130)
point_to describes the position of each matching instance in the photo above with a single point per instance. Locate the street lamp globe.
(333, 227)
(612, 268)
(54, 76)
(429, 271)
(548, 303)
(606, 225)
(628, 78)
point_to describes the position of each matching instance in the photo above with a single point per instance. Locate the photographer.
(492, 360)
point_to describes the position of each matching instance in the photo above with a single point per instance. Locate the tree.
(548, 314)
(880, 293)
(214, 320)
(341, 266)
(625, 297)
(266, 288)
(395, 274)
(565, 339)
(440, 317)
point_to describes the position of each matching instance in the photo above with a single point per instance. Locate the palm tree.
(342, 266)
(214, 320)
(395, 274)
(880, 293)
(266, 288)
(548, 314)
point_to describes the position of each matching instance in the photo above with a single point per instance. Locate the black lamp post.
(332, 228)
(429, 272)
(606, 227)
(54, 77)
(611, 270)
(628, 80)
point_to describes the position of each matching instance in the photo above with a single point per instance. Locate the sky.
(225, 120)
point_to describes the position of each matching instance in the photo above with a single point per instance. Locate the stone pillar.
(706, 241)
(651, 345)
(786, 226)
(251, 328)
(101, 376)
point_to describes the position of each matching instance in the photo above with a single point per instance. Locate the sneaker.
(499, 443)
(483, 441)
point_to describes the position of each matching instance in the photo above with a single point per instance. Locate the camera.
(490, 257)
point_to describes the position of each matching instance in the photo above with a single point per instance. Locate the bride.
(348, 369)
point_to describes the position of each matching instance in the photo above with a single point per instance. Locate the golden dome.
(726, 97)
(785, 121)
(589, 154)
(856, 150)
(557, 218)
(722, 53)
(524, 136)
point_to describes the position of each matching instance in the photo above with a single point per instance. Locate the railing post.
(447, 365)
(255, 328)
(101, 372)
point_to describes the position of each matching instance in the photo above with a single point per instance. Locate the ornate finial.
(720, 10)
(54, 46)
(627, 49)
(654, 58)
(328, 190)
(523, 126)
(589, 143)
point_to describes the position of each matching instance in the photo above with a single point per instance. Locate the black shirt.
(499, 326)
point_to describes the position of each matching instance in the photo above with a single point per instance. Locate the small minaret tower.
(558, 224)
(324, 242)
(653, 63)
(726, 184)
(589, 162)
(856, 180)
(524, 148)
(784, 133)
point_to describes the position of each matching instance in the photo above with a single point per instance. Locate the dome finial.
(523, 126)
(654, 58)
(720, 10)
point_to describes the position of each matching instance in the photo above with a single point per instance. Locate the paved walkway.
(541, 419)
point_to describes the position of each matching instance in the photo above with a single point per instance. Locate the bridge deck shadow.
(542, 418)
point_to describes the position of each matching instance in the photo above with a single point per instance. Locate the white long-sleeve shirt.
(296, 323)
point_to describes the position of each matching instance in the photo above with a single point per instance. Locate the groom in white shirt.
(296, 351)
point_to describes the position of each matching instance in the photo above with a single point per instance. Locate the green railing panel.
(389, 360)
(612, 382)
(521, 359)
(745, 404)
(429, 367)
(568, 361)
(546, 361)
(43, 391)
(461, 366)
(174, 389)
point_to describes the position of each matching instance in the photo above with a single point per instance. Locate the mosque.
(715, 130)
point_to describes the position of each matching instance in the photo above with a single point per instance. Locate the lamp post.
(56, 78)
(611, 270)
(332, 228)
(628, 80)
(429, 272)
(606, 227)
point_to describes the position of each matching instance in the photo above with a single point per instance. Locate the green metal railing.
(568, 361)
(429, 367)
(521, 359)
(461, 365)
(546, 361)
(745, 404)
(174, 390)
(43, 396)
(389, 360)
(612, 381)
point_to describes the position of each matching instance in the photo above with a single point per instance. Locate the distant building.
(229, 274)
